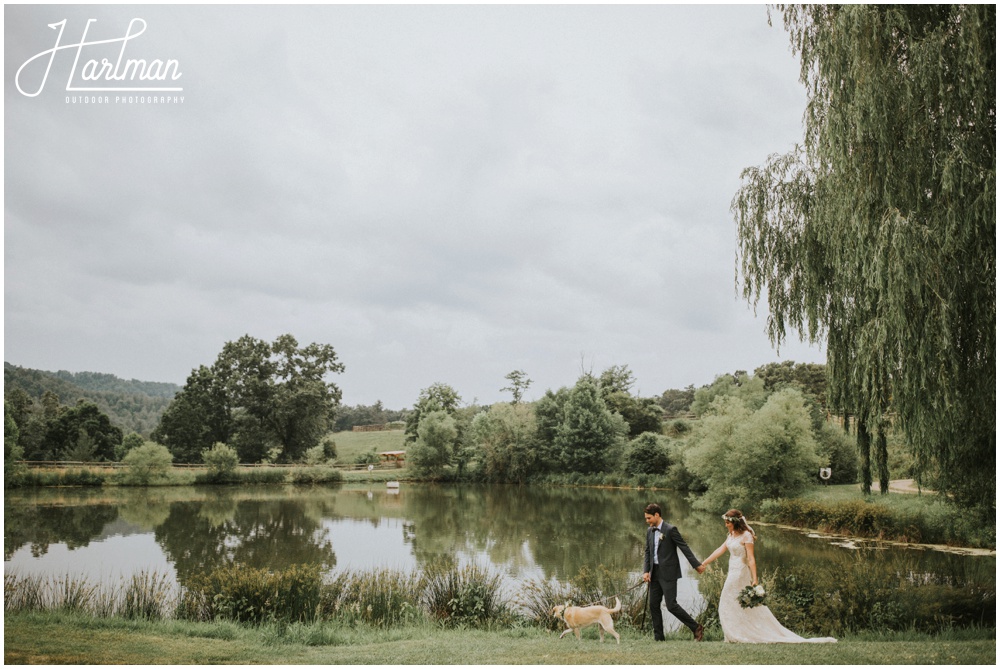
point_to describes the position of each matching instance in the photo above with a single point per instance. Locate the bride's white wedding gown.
(756, 625)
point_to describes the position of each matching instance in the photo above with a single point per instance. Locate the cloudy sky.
(443, 194)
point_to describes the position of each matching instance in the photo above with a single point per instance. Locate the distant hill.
(134, 406)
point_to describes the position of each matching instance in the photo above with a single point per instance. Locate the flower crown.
(733, 519)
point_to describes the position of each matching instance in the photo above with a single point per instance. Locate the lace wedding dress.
(756, 625)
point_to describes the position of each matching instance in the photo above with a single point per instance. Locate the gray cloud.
(442, 193)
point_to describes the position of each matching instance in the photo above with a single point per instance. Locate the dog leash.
(609, 597)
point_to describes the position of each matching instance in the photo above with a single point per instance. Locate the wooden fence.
(65, 464)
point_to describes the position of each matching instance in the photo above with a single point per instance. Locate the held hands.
(701, 568)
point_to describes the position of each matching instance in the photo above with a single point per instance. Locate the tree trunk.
(882, 459)
(865, 453)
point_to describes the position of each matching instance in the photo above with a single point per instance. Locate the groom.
(661, 569)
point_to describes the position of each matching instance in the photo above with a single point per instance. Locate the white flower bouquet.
(751, 596)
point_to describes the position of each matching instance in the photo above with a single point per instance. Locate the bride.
(751, 625)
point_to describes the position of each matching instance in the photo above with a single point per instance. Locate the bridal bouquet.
(751, 596)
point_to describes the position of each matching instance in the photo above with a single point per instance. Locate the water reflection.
(525, 532)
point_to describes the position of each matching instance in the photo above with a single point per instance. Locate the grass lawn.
(61, 638)
(852, 492)
(352, 444)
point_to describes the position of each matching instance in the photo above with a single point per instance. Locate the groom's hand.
(700, 569)
(645, 577)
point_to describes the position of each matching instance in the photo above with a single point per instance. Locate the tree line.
(133, 406)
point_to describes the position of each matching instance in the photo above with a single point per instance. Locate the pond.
(525, 533)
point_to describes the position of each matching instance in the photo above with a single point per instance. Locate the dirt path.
(906, 486)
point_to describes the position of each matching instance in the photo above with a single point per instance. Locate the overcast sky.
(443, 194)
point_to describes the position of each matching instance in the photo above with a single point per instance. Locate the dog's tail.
(618, 606)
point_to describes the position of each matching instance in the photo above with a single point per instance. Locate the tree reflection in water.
(524, 532)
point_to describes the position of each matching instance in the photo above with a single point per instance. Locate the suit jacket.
(667, 561)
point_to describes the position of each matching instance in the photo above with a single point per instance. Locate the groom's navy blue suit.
(663, 575)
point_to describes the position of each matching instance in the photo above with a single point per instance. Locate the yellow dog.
(578, 617)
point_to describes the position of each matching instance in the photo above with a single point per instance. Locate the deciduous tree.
(519, 382)
(261, 397)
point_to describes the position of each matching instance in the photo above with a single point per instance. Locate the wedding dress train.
(757, 624)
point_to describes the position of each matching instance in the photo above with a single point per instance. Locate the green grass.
(926, 518)
(352, 444)
(66, 638)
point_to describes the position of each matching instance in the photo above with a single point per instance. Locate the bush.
(646, 454)
(314, 475)
(249, 595)
(129, 443)
(369, 458)
(66, 477)
(314, 456)
(146, 463)
(222, 461)
(262, 475)
(465, 596)
(678, 428)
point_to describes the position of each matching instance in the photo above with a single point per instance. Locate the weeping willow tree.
(878, 233)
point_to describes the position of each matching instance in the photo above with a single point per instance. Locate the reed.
(24, 593)
(147, 596)
(537, 598)
(854, 595)
(382, 598)
(465, 596)
(250, 595)
(75, 594)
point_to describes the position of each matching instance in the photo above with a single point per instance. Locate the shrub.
(130, 442)
(222, 461)
(314, 456)
(646, 454)
(314, 475)
(369, 458)
(262, 475)
(464, 596)
(147, 463)
(678, 428)
(249, 595)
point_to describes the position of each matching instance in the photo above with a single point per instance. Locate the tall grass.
(63, 477)
(382, 598)
(249, 595)
(470, 596)
(590, 586)
(852, 596)
(146, 595)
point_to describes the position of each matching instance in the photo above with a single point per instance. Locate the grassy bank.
(65, 638)
(350, 445)
(844, 509)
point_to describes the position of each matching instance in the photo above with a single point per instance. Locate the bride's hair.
(735, 516)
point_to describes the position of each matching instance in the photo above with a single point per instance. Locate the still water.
(525, 533)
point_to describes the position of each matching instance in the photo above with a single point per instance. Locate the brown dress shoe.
(699, 633)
